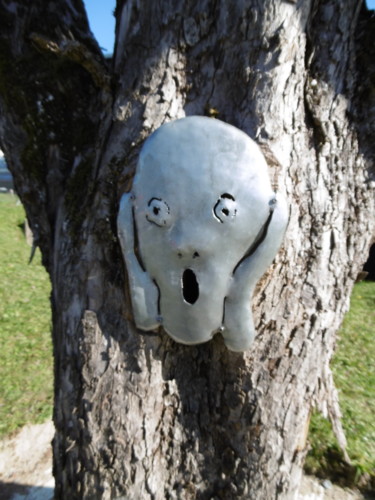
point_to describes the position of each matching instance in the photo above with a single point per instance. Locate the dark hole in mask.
(190, 287)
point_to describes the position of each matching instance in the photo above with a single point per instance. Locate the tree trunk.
(137, 415)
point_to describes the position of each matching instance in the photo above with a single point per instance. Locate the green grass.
(26, 374)
(354, 374)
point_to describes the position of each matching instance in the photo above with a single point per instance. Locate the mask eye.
(225, 208)
(158, 212)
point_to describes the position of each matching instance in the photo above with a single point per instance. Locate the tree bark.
(137, 415)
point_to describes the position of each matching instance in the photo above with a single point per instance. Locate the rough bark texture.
(137, 415)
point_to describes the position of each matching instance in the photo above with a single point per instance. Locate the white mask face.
(201, 201)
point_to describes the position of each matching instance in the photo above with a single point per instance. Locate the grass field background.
(353, 367)
(26, 378)
(26, 359)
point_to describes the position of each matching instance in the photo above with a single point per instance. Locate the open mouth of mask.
(189, 286)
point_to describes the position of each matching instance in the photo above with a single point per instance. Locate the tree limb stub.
(76, 52)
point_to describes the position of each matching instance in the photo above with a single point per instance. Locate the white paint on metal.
(198, 230)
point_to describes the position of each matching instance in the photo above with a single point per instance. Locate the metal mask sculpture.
(198, 230)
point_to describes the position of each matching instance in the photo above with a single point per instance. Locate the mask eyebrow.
(227, 195)
(152, 199)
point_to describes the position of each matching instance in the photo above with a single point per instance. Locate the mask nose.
(190, 254)
(186, 243)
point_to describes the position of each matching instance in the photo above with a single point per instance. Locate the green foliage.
(354, 374)
(26, 373)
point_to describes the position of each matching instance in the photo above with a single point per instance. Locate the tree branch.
(54, 86)
(77, 52)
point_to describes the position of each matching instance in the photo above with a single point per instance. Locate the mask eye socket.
(225, 208)
(158, 212)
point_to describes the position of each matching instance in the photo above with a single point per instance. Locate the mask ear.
(238, 331)
(143, 291)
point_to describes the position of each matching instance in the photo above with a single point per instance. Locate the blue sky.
(102, 22)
